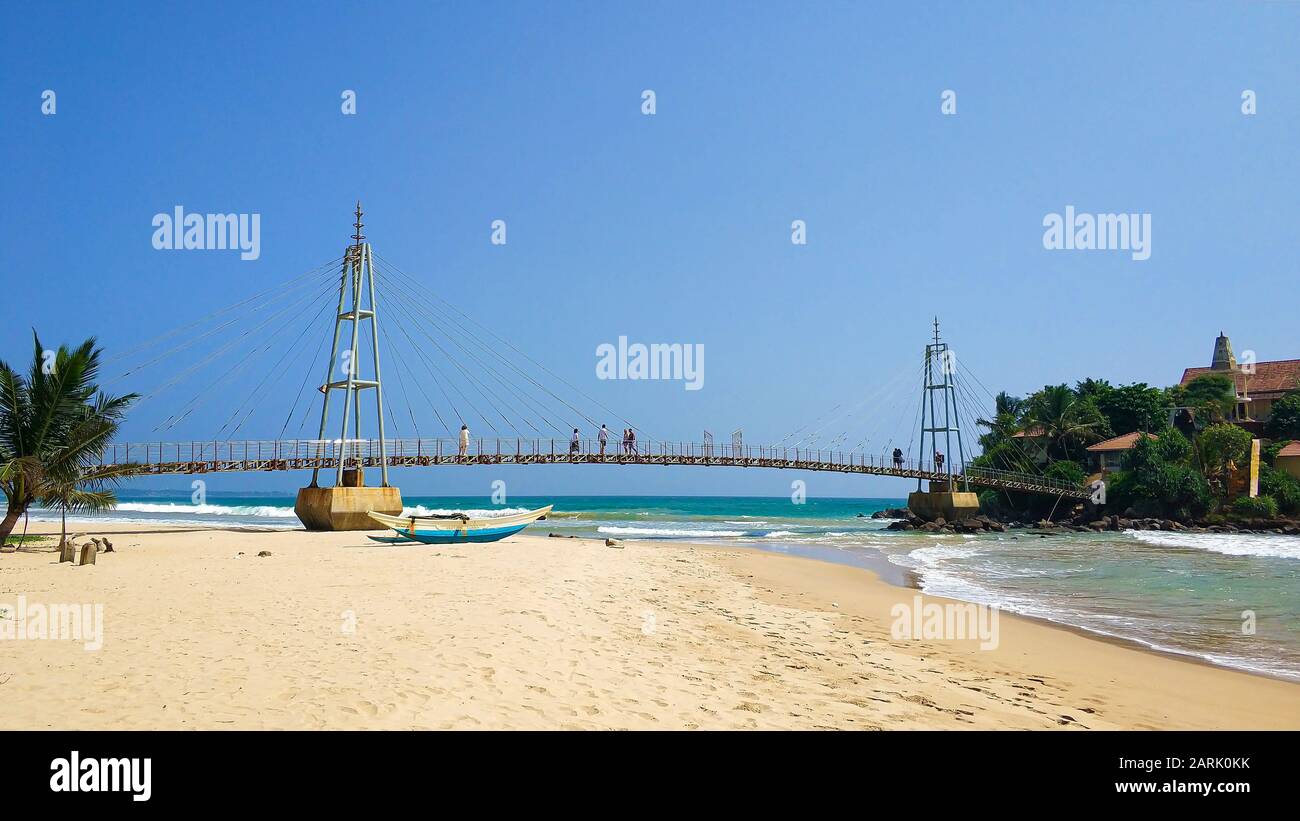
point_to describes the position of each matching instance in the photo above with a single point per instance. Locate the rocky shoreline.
(1085, 522)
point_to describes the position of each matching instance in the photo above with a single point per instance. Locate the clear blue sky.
(673, 227)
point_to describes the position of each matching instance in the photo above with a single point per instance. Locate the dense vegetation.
(1183, 473)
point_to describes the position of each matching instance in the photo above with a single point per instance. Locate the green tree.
(1003, 425)
(1158, 479)
(1284, 418)
(1222, 448)
(1269, 453)
(1095, 388)
(1212, 396)
(54, 424)
(1070, 423)
(1066, 470)
(999, 447)
(1136, 407)
(1283, 487)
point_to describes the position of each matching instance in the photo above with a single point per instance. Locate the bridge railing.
(368, 450)
(270, 454)
(979, 472)
(353, 450)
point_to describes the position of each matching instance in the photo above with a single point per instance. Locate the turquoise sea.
(1188, 593)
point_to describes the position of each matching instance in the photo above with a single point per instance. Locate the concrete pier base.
(939, 501)
(344, 508)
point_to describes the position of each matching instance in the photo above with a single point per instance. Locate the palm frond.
(14, 411)
(79, 500)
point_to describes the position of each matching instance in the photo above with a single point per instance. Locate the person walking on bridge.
(603, 436)
(573, 442)
(898, 458)
(631, 441)
(938, 460)
(464, 441)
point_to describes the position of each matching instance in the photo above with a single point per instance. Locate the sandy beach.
(334, 631)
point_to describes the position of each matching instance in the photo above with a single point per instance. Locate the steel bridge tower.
(345, 508)
(940, 360)
(356, 284)
(939, 394)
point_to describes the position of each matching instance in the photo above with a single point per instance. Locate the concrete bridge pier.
(942, 501)
(344, 507)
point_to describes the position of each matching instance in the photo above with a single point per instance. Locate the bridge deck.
(155, 458)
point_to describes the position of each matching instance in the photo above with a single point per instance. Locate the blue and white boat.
(458, 528)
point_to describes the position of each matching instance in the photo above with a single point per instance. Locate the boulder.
(891, 513)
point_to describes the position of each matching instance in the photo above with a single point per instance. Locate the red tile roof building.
(1107, 454)
(1124, 442)
(1259, 384)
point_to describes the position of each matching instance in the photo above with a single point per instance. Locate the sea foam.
(1229, 544)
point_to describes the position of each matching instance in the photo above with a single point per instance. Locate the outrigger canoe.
(457, 528)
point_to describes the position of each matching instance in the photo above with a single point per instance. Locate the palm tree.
(54, 424)
(1006, 403)
(1067, 421)
(1004, 424)
(87, 491)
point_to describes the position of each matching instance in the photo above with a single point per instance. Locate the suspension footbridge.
(448, 373)
(161, 458)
